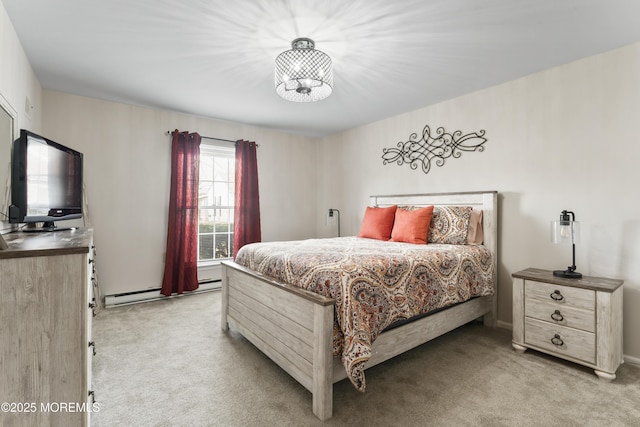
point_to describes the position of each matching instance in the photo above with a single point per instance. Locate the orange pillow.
(378, 222)
(412, 226)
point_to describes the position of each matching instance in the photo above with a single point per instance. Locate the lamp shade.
(565, 231)
(303, 74)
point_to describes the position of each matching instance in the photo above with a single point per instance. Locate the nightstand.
(576, 319)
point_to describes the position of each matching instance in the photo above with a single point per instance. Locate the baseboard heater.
(154, 294)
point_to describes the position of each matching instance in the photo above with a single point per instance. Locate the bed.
(306, 333)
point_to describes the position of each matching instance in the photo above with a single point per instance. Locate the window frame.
(222, 149)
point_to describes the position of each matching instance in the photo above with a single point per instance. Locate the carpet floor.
(167, 363)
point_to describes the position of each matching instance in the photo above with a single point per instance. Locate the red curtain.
(246, 227)
(181, 263)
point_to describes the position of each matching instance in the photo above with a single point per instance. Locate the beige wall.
(127, 174)
(17, 79)
(565, 138)
(17, 84)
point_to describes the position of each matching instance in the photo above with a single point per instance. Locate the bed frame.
(294, 327)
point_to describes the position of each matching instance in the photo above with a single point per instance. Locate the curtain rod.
(170, 132)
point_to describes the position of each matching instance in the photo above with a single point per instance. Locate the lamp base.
(567, 274)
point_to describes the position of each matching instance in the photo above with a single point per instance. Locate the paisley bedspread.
(374, 283)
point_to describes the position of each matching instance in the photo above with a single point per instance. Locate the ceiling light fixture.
(303, 74)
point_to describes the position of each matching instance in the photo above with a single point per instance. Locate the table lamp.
(567, 230)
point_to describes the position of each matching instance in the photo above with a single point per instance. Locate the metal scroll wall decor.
(433, 148)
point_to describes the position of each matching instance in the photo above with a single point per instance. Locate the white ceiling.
(215, 58)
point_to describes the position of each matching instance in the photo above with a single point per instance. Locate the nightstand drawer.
(561, 340)
(560, 295)
(562, 315)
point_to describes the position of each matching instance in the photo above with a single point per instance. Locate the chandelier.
(303, 74)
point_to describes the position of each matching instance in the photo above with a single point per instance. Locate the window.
(215, 202)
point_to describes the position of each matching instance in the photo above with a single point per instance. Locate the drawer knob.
(556, 296)
(557, 316)
(556, 340)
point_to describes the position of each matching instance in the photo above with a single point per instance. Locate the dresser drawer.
(560, 295)
(570, 342)
(562, 315)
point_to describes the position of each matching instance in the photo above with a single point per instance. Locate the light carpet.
(167, 363)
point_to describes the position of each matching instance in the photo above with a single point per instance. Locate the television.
(46, 182)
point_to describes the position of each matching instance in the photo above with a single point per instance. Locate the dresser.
(576, 319)
(46, 310)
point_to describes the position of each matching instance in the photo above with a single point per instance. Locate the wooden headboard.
(485, 200)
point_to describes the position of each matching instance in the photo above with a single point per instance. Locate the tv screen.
(46, 181)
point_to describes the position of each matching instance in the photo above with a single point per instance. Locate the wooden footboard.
(292, 326)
